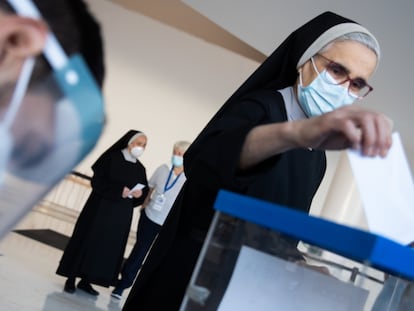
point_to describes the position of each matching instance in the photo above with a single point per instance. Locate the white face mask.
(6, 139)
(137, 151)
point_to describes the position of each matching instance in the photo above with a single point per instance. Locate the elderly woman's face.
(140, 141)
(356, 58)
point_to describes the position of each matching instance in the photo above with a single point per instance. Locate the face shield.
(48, 123)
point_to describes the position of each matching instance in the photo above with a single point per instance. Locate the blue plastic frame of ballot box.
(355, 244)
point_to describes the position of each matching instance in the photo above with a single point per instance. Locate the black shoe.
(87, 287)
(69, 287)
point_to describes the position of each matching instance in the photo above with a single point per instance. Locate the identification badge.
(159, 202)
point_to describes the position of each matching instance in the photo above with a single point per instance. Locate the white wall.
(161, 81)
(168, 83)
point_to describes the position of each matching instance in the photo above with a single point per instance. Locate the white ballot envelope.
(138, 186)
(386, 189)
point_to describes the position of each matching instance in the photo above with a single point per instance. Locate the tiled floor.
(28, 280)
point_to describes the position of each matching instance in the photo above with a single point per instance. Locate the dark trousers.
(146, 233)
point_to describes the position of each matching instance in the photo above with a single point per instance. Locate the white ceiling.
(177, 14)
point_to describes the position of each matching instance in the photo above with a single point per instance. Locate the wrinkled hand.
(347, 127)
(136, 193)
(125, 192)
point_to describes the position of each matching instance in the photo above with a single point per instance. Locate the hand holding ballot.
(135, 192)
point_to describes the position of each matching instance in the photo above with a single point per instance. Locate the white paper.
(387, 192)
(138, 186)
(266, 283)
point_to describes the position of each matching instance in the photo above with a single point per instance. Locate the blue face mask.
(320, 96)
(177, 161)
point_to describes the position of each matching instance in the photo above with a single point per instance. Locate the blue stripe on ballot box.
(355, 244)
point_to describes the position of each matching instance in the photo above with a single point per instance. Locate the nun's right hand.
(347, 127)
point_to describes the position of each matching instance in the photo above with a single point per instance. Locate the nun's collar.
(128, 156)
(293, 110)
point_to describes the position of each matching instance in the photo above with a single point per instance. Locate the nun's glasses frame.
(357, 87)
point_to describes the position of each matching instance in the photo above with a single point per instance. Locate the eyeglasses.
(357, 87)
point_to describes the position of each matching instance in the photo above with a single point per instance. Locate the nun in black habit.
(268, 141)
(96, 249)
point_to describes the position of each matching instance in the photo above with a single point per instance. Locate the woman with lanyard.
(165, 184)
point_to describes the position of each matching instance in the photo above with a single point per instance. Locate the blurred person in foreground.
(51, 107)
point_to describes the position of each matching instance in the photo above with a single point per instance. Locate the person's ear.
(22, 37)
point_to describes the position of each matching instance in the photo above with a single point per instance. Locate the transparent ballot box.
(262, 256)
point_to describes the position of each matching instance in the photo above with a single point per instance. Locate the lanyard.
(168, 187)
